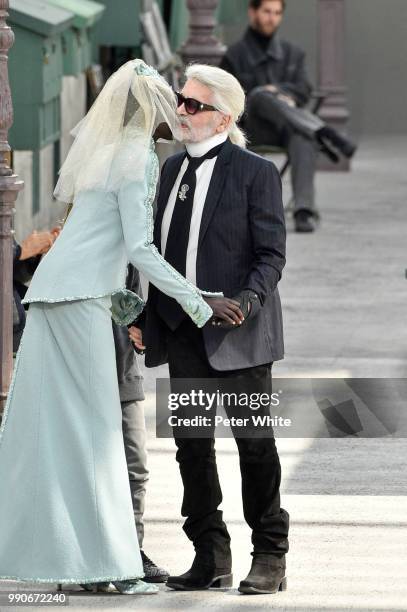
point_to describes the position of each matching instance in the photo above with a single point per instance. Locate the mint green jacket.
(105, 231)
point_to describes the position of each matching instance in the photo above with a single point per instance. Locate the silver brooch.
(182, 194)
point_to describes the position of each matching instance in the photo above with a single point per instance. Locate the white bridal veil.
(113, 140)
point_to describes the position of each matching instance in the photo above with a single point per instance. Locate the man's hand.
(136, 336)
(36, 243)
(225, 309)
(287, 99)
(281, 96)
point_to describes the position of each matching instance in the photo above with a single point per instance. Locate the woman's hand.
(225, 309)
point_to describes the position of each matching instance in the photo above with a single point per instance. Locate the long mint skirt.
(65, 506)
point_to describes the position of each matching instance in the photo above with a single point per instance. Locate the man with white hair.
(220, 222)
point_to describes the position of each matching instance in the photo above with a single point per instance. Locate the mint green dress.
(65, 506)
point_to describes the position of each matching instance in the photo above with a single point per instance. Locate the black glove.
(249, 305)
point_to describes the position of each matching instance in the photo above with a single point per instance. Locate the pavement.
(344, 296)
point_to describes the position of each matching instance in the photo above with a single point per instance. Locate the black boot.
(267, 575)
(345, 146)
(203, 574)
(152, 573)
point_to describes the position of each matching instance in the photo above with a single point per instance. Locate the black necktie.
(178, 236)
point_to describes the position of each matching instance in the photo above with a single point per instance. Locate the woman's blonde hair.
(228, 95)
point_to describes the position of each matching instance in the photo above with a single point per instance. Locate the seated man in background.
(272, 72)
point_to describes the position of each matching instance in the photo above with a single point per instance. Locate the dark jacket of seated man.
(129, 374)
(262, 60)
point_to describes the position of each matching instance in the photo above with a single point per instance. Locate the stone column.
(9, 188)
(331, 70)
(202, 45)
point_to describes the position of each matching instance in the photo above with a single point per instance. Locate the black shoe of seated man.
(267, 575)
(202, 576)
(152, 573)
(345, 146)
(304, 221)
(248, 300)
(327, 149)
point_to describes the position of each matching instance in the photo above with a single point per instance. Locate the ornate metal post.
(9, 188)
(331, 69)
(202, 45)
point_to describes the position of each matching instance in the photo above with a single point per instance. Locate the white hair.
(228, 95)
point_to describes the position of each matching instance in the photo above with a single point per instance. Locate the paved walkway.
(344, 297)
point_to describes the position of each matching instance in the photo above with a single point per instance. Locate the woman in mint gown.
(65, 506)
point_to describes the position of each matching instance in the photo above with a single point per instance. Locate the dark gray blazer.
(128, 372)
(281, 64)
(241, 246)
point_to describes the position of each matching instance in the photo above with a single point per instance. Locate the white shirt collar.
(197, 149)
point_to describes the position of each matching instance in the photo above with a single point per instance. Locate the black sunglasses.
(193, 106)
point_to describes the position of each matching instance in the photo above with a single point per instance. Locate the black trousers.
(272, 121)
(259, 463)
